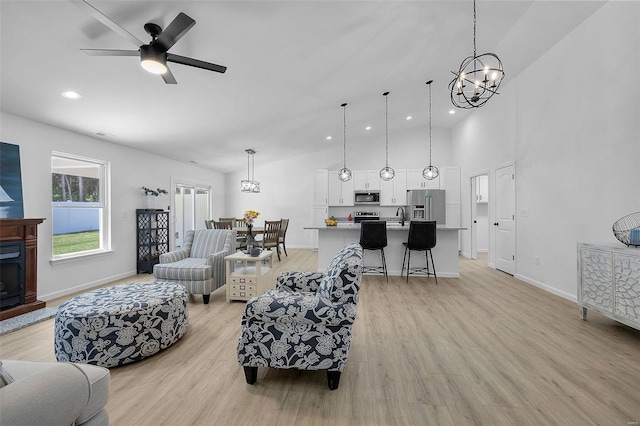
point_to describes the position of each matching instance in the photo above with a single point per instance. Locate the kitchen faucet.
(397, 210)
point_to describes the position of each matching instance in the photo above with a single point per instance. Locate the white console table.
(609, 282)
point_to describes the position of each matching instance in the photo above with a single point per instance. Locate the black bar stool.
(373, 236)
(422, 237)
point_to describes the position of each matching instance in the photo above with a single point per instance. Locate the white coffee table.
(249, 276)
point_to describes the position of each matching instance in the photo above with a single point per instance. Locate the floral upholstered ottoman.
(118, 325)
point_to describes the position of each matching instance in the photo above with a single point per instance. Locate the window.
(80, 206)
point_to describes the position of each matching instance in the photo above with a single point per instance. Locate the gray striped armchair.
(199, 264)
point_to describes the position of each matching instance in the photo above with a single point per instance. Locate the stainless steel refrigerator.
(427, 204)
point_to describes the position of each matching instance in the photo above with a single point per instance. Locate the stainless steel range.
(360, 216)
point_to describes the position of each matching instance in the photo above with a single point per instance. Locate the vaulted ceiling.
(290, 66)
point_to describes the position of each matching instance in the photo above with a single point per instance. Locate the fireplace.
(11, 274)
(19, 267)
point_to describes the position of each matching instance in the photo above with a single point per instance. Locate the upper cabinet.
(450, 182)
(320, 187)
(482, 189)
(366, 180)
(340, 193)
(415, 180)
(394, 192)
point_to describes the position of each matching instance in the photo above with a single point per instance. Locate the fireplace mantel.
(24, 230)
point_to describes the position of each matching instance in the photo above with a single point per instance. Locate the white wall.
(287, 186)
(574, 111)
(130, 170)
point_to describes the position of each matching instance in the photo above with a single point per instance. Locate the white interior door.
(474, 220)
(505, 204)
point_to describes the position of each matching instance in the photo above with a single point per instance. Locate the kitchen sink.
(394, 224)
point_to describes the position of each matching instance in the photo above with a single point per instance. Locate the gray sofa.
(53, 393)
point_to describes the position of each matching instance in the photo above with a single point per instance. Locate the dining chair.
(284, 224)
(373, 236)
(422, 237)
(223, 224)
(209, 224)
(241, 240)
(270, 236)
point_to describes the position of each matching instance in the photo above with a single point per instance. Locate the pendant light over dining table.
(430, 172)
(478, 78)
(386, 173)
(344, 174)
(250, 184)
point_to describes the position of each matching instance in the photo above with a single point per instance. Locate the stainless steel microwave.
(370, 197)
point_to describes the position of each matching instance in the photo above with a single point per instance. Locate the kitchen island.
(445, 254)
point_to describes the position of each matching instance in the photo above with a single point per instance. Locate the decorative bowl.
(627, 229)
(255, 252)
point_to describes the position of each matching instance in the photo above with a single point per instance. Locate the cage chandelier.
(478, 78)
(250, 184)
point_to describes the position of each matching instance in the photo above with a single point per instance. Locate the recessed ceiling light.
(70, 94)
(368, 128)
(451, 111)
(329, 138)
(409, 117)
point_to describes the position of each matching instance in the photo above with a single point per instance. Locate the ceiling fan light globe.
(153, 61)
(154, 67)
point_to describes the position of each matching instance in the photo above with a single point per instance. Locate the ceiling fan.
(154, 55)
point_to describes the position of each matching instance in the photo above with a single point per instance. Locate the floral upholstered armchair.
(305, 323)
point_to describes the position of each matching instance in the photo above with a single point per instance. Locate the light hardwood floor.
(483, 349)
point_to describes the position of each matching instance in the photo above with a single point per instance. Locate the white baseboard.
(545, 287)
(86, 286)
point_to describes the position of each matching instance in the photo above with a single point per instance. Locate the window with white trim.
(80, 203)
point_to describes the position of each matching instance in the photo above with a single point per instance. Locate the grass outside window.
(76, 242)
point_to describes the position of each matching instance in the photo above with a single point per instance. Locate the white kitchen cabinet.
(453, 215)
(415, 180)
(366, 180)
(321, 187)
(482, 189)
(609, 282)
(394, 192)
(450, 182)
(340, 193)
(320, 213)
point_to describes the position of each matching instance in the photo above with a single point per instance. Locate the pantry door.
(505, 219)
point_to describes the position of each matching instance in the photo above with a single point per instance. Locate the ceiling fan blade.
(168, 77)
(110, 52)
(84, 5)
(195, 63)
(174, 31)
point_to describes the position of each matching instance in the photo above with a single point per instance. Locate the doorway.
(480, 215)
(191, 207)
